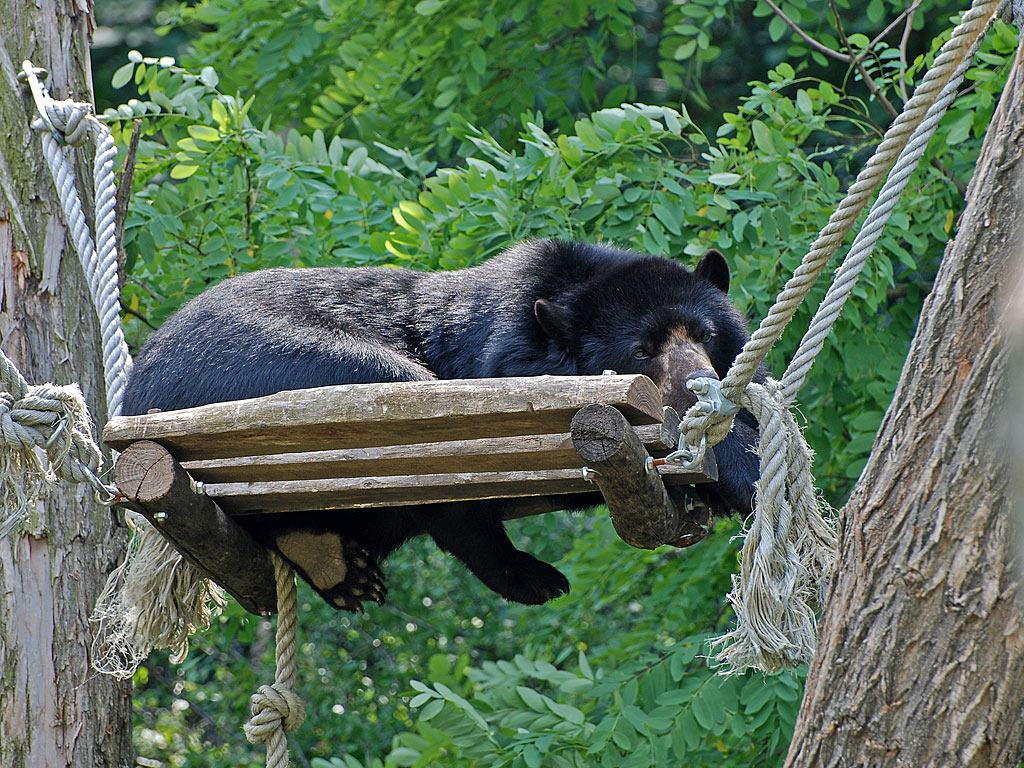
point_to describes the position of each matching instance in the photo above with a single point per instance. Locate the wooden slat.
(491, 454)
(370, 415)
(399, 490)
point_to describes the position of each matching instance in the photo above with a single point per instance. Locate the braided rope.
(790, 544)
(48, 417)
(1012, 12)
(788, 549)
(863, 245)
(72, 122)
(955, 50)
(276, 709)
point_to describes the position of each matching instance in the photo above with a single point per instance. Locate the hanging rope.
(789, 547)
(154, 599)
(276, 709)
(863, 245)
(71, 123)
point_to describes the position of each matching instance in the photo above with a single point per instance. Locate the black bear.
(541, 307)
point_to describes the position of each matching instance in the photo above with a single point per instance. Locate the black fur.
(540, 308)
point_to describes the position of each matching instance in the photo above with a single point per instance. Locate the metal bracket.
(710, 400)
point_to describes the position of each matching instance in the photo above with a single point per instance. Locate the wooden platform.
(367, 445)
(358, 446)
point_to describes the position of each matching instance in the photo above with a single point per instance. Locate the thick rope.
(71, 122)
(790, 544)
(154, 599)
(956, 49)
(863, 245)
(788, 550)
(45, 419)
(276, 709)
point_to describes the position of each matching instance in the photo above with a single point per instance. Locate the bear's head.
(650, 315)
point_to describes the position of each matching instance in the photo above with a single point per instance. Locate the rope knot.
(274, 707)
(67, 119)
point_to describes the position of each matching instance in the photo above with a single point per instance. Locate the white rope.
(955, 50)
(870, 231)
(276, 709)
(155, 598)
(790, 544)
(40, 420)
(74, 122)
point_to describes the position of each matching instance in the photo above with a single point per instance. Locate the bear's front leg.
(475, 534)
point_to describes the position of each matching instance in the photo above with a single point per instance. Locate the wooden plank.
(369, 415)
(155, 485)
(489, 454)
(643, 513)
(400, 490)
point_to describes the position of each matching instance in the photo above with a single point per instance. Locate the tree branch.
(845, 58)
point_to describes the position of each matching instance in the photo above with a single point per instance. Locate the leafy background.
(432, 134)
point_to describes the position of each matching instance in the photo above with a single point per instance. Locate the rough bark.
(921, 653)
(54, 709)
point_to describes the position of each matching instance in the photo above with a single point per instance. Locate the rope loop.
(276, 709)
(273, 707)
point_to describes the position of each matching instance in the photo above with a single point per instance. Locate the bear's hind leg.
(475, 534)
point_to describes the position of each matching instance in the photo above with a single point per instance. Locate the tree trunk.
(921, 655)
(56, 711)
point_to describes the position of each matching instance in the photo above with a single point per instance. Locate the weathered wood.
(490, 454)
(399, 490)
(368, 415)
(157, 487)
(920, 659)
(641, 510)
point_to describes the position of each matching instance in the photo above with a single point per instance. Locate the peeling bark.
(921, 652)
(54, 709)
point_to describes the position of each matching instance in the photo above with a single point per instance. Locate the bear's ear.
(715, 269)
(553, 318)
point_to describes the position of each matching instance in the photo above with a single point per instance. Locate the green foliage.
(333, 133)
(395, 72)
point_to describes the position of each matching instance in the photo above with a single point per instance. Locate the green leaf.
(725, 179)
(183, 171)
(428, 7)
(587, 134)
(208, 76)
(531, 698)
(204, 132)
(762, 137)
(123, 75)
(403, 756)
(672, 218)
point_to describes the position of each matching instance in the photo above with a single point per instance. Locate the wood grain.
(369, 415)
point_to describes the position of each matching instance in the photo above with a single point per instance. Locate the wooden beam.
(643, 513)
(398, 490)
(156, 486)
(368, 415)
(489, 454)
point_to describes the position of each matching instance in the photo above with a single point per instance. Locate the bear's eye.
(641, 354)
(707, 336)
